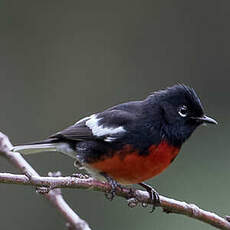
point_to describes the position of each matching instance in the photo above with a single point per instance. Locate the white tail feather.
(37, 148)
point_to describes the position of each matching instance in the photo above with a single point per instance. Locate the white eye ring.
(183, 111)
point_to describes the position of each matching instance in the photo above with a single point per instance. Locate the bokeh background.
(63, 60)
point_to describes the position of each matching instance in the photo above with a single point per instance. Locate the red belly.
(128, 167)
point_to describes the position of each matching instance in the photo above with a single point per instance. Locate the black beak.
(206, 119)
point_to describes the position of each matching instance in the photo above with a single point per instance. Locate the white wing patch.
(99, 130)
(83, 119)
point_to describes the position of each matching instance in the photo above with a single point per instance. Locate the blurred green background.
(63, 60)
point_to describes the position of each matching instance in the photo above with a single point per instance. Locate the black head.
(181, 112)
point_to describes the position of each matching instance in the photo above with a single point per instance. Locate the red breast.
(128, 167)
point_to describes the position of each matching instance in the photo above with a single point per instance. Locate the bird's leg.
(114, 185)
(79, 166)
(153, 195)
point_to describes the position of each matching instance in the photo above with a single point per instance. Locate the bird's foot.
(114, 185)
(153, 195)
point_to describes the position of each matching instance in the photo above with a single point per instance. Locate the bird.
(131, 142)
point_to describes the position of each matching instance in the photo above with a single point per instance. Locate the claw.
(153, 195)
(114, 185)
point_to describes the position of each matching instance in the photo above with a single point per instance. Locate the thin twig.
(53, 196)
(168, 205)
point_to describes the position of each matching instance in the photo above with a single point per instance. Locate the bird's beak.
(206, 119)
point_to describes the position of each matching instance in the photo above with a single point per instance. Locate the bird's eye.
(183, 111)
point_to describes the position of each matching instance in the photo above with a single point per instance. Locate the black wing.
(78, 131)
(107, 126)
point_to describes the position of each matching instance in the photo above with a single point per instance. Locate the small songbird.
(130, 142)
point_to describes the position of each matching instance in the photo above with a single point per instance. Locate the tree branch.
(84, 182)
(54, 196)
(168, 205)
